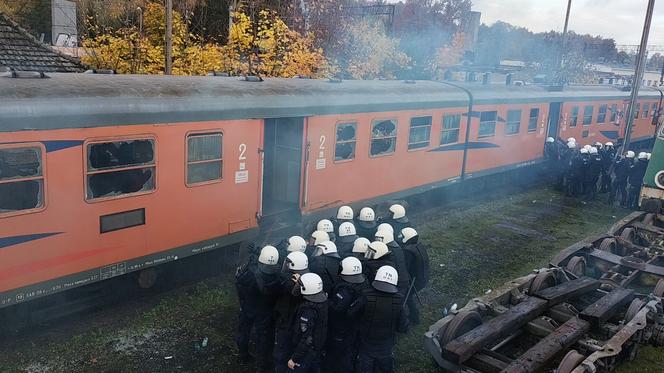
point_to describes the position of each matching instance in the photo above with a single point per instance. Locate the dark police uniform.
(635, 180)
(591, 177)
(327, 267)
(382, 316)
(284, 314)
(309, 333)
(621, 169)
(417, 262)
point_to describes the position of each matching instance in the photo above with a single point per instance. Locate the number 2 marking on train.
(322, 142)
(243, 150)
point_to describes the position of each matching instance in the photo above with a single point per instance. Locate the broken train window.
(204, 160)
(120, 167)
(21, 179)
(346, 140)
(383, 137)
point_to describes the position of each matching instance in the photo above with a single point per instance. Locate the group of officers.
(585, 171)
(335, 301)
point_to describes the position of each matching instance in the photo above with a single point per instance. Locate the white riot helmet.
(384, 236)
(351, 270)
(367, 218)
(325, 226)
(319, 237)
(345, 213)
(608, 144)
(407, 234)
(571, 145)
(361, 245)
(643, 155)
(296, 262)
(648, 156)
(550, 139)
(593, 150)
(598, 145)
(386, 279)
(571, 139)
(296, 243)
(587, 147)
(385, 227)
(630, 154)
(399, 213)
(328, 248)
(268, 260)
(376, 250)
(311, 288)
(347, 232)
(584, 151)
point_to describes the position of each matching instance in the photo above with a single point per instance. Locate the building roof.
(91, 100)
(21, 51)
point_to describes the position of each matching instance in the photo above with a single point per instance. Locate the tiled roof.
(21, 51)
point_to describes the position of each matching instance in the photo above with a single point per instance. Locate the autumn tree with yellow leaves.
(265, 47)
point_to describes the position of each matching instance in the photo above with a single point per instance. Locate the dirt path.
(474, 249)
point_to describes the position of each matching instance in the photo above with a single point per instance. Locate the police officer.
(295, 265)
(397, 257)
(258, 287)
(345, 302)
(635, 179)
(578, 167)
(347, 237)
(377, 255)
(607, 153)
(325, 263)
(594, 170)
(366, 223)
(551, 156)
(317, 237)
(417, 263)
(383, 315)
(570, 161)
(344, 214)
(621, 169)
(327, 227)
(310, 326)
(360, 247)
(397, 217)
(293, 243)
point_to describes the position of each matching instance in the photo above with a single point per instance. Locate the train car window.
(513, 122)
(637, 111)
(654, 109)
(346, 141)
(21, 179)
(420, 133)
(204, 158)
(383, 137)
(450, 132)
(120, 167)
(487, 124)
(588, 115)
(601, 117)
(646, 110)
(574, 118)
(532, 120)
(614, 112)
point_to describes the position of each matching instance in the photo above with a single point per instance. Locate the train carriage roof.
(90, 100)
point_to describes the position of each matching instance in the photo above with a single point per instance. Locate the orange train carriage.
(106, 175)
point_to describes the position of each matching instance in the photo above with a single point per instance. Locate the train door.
(554, 119)
(282, 165)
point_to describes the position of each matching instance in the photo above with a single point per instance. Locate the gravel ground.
(475, 247)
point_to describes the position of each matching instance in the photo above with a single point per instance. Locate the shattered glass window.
(204, 158)
(21, 179)
(420, 132)
(450, 133)
(120, 167)
(345, 142)
(383, 137)
(588, 115)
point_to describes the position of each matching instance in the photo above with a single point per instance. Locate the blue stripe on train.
(15, 240)
(460, 146)
(610, 134)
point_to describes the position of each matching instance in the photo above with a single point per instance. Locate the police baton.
(411, 288)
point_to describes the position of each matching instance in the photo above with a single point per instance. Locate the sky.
(621, 20)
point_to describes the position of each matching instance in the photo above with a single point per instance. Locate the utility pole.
(638, 76)
(169, 37)
(561, 54)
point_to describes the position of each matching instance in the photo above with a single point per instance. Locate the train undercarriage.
(597, 303)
